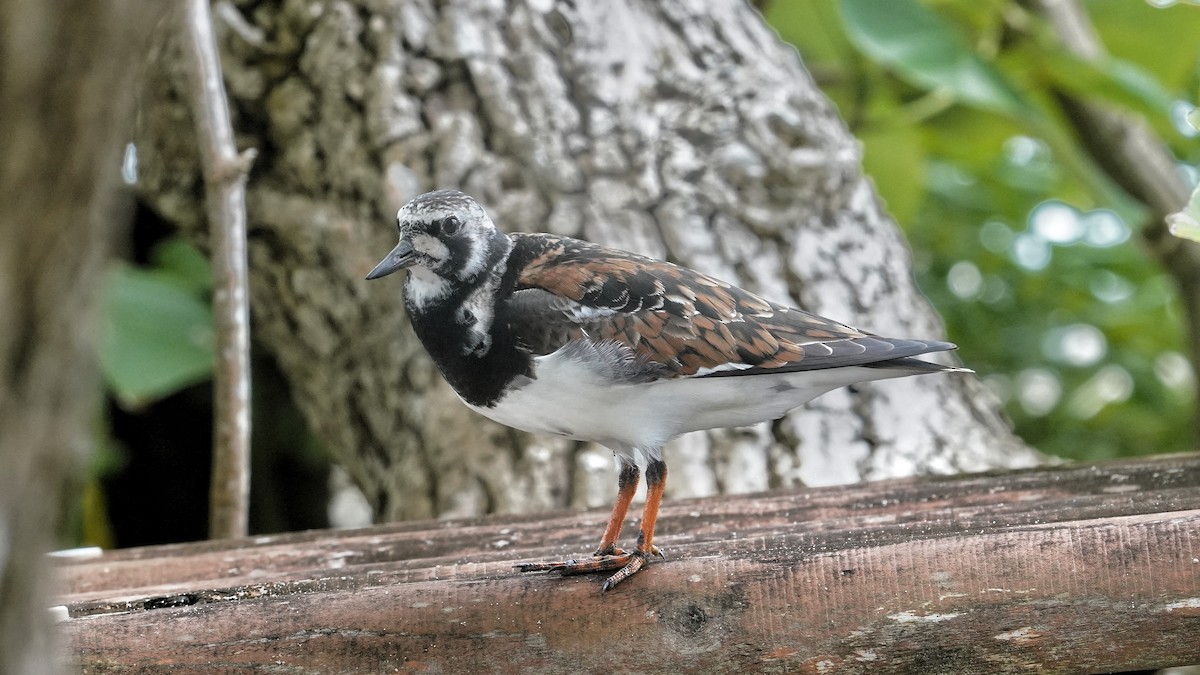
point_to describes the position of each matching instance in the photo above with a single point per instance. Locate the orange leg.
(627, 481)
(608, 557)
(656, 481)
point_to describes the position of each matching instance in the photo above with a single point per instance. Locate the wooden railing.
(1068, 569)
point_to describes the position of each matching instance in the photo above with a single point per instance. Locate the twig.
(1137, 159)
(225, 174)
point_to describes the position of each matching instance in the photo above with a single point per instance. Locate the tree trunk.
(677, 129)
(64, 100)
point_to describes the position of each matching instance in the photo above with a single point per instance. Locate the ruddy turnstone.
(555, 335)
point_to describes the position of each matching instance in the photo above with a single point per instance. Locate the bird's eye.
(450, 225)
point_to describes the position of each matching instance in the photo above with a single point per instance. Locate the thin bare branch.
(225, 174)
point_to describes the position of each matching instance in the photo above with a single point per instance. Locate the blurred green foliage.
(157, 325)
(156, 339)
(148, 479)
(1023, 244)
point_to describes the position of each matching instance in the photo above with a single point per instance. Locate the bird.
(554, 335)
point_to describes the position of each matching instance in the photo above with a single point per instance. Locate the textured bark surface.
(677, 129)
(65, 83)
(1009, 573)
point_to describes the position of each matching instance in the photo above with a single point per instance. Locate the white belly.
(571, 399)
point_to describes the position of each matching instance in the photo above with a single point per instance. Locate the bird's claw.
(625, 564)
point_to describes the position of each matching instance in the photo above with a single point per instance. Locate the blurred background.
(1032, 256)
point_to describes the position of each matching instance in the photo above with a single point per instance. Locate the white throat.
(423, 287)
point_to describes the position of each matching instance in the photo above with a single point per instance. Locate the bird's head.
(446, 233)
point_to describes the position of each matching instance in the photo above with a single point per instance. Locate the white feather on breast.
(571, 398)
(424, 287)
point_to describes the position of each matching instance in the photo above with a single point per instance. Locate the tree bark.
(677, 129)
(64, 100)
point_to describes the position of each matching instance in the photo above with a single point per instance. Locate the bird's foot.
(626, 564)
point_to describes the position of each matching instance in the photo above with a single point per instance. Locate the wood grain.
(1068, 569)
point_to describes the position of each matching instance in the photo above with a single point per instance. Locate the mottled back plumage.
(688, 322)
(559, 336)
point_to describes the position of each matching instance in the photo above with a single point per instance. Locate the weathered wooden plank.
(1064, 569)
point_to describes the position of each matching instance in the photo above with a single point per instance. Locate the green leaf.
(1118, 81)
(928, 52)
(157, 336)
(894, 158)
(1160, 40)
(815, 25)
(182, 263)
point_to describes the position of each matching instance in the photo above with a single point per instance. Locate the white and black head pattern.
(448, 242)
(455, 256)
(450, 233)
